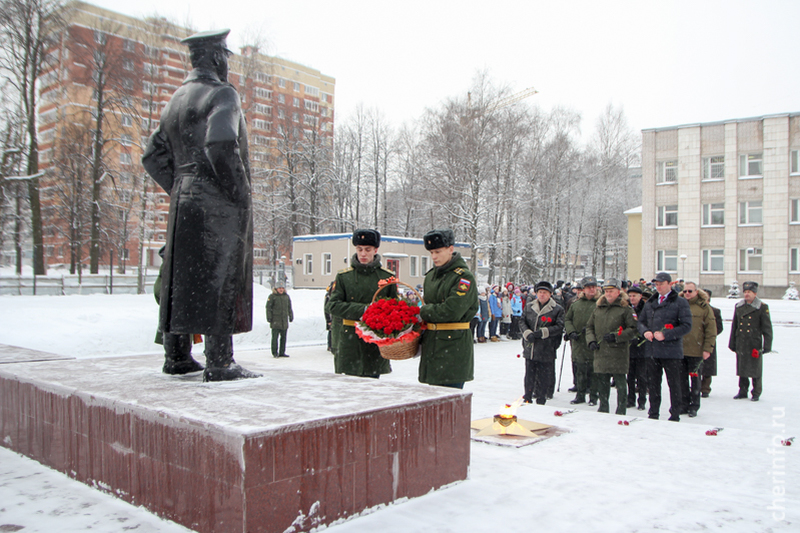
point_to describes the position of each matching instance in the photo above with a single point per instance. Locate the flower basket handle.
(382, 284)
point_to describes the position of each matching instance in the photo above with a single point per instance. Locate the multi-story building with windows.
(721, 202)
(124, 70)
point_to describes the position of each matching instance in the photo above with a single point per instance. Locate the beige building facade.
(318, 258)
(721, 202)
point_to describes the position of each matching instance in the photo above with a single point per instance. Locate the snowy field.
(648, 476)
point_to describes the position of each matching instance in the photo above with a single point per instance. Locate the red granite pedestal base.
(287, 452)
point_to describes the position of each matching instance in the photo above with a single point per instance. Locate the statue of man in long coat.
(198, 155)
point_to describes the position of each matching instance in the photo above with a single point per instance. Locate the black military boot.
(220, 365)
(178, 355)
(580, 398)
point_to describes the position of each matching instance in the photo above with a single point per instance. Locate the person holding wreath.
(451, 300)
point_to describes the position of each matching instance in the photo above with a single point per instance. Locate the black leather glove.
(610, 337)
(593, 346)
(571, 336)
(528, 335)
(537, 334)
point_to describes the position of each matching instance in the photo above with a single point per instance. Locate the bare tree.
(28, 29)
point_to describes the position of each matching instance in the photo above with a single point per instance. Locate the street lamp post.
(684, 257)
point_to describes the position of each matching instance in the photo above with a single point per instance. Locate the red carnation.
(619, 332)
(669, 326)
(755, 353)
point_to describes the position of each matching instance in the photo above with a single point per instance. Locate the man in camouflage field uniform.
(451, 300)
(352, 292)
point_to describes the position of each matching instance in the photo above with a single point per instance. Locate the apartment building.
(721, 202)
(125, 70)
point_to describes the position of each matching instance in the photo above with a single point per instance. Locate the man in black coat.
(199, 156)
(663, 322)
(710, 365)
(542, 324)
(751, 338)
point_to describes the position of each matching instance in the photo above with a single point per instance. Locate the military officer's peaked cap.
(750, 286)
(439, 238)
(205, 38)
(366, 237)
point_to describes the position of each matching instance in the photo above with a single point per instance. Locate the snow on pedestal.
(288, 452)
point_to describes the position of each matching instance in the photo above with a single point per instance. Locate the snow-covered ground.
(650, 475)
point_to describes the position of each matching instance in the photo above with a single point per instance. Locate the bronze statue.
(198, 155)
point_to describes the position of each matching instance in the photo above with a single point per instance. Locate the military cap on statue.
(439, 238)
(366, 237)
(205, 38)
(750, 286)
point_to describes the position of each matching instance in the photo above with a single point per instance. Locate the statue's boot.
(220, 365)
(178, 355)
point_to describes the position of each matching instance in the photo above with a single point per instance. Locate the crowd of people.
(626, 335)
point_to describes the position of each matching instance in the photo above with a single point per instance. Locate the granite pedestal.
(288, 452)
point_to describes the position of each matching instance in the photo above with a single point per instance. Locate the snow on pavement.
(650, 475)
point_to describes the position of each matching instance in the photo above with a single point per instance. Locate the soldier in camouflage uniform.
(575, 331)
(451, 300)
(352, 292)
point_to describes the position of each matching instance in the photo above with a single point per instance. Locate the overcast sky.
(665, 62)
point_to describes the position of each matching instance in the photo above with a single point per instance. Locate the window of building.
(261, 124)
(281, 83)
(327, 264)
(128, 45)
(263, 77)
(667, 216)
(750, 213)
(794, 260)
(308, 264)
(127, 84)
(750, 166)
(667, 260)
(263, 93)
(127, 64)
(750, 260)
(311, 91)
(794, 211)
(713, 260)
(160, 237)
(127, 120)
(295, 86)
(296, 101)
(424, 264)
(126, 139)
(99, 37)
(714, 214)
(281, 114)
(667, 171)
(125, 158)
(794, 158)
(295, 117)
(412, 266)
(263, 109)
(281, 98)
(147, 87)
(714, 168)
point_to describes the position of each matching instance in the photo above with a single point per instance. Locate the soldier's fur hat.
(439, 238)
(750, 286)
(366, 237)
